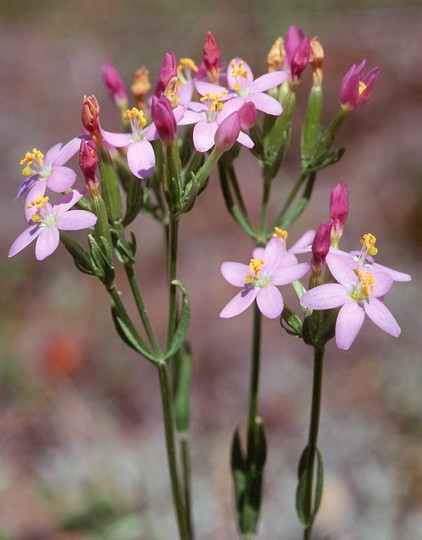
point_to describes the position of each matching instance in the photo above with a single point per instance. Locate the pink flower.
(47, 220)
(357, 86)
(358, 294)
(259, 280)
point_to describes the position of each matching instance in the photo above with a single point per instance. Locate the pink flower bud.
(300, 59)
(167, 71)
(320, 247)
(356, 86)
(339, 210)
(294, 38)
(88, 158)
(247, 115)
(163, 118)
(227, 132)
(211, 58)
(114, 84)
(90, 116)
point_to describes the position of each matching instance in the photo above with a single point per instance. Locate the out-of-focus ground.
(87, 447)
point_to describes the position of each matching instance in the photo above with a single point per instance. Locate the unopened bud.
(276, 55)
(247, 115)
(90, 116)
(316, 59)
(114, 84)
(171, 92)
(163, 118)
(211, 58)
(227, 132)
(141, 85)
(320, 249)
(167, 71)
(339, 210)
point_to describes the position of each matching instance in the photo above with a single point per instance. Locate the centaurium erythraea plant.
(260, 278)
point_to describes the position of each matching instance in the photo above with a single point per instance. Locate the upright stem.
(313, 431)
(171, 451)
(264, 211)
(173, 229)
(254, 381)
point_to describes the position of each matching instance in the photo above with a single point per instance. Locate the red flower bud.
(91, 115)
(211, 58)
(167, 71)
(227, 132)
(163, 118)
(339, 210)
(300, 59)
(320, 246)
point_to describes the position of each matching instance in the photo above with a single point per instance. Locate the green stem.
(134, 285)
(290, 198)
(301, 204)
(185, 453)
(264, 212)
(313, 431)
(254, 381)
(171, 451)
(173, 228)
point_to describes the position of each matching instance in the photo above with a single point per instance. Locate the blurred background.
(81, 438)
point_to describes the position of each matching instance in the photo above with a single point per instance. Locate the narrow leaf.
(182, 328)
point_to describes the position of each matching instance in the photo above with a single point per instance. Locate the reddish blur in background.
(81, 438)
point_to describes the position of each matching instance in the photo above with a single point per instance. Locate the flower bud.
(320, 249)
(90, 117)
(247, 115)
(211, 58)
(276, 55)
(227, 132)
(141, 85)
(356, 87)
(88, 159)
(294, 38)
(115, 85)
(167, 71)
(339, 210)
(316, 58)
(172, 93)
(163, 118)
(300, 59)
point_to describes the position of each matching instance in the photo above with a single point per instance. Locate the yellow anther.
(368, 241)
(28, 160)
(238, 70)
(186, 63)
(35, 218)
(362, 87)
(172, 93)
(367, 283)
(283, 235)
(249, 279)
(255, 267)
(215, 105)
(38, 203)
(135, 113)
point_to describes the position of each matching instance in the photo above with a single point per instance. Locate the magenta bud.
(247, 115)
(163, 118)
(227, 132)
(88, 158)
(321, 246)
(168, 70)
(91, 116)
(339, 206)
(211, 57)
(356, 86)
(300, 58)
(114, 83)
(294, 38)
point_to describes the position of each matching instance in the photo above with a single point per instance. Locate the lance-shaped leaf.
(179, 335)
(307, 504)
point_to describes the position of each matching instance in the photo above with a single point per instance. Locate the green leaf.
(130, 337)
(183, 375)
(101, 257)
(239, 472)
(305, 513)
(179, 335)
(293, 321)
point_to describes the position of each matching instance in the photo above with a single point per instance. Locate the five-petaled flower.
(260, 278)
(48, 171)
(357, 293)
(47, 220)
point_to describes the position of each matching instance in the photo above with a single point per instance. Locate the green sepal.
(125, 251)
(101, 259)
(293, 321)
(130, 337)
(189, 195)
(135, 199)
(311, 126)
(81, 258)
(110, 190)
(305, 514)
(323, 160)
(182, 383)
(319, 327)
(179, 335)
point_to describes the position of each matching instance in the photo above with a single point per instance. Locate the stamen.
(38, 203)
(362, 87)
(255, 267)
(28, 160)
(367, 281)
(186, 63)
(239, 71)
(136, 114)
(368, 242)
(283, 235)
(215, 105)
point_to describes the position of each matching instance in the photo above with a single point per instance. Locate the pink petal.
(76, 220)
(141, 158)
(382, 317)
(25, 238)
(239, 303)
(203, 135)
(37, 190)
(273, 255)
(348, 324)
(191, 117)
(245, 140)
(230, 106)
(383, 283)
(341, 270)
(68, 151)
(395, 274)
(203, 87)
(67, 201)
(48, 241)
(270, 301)
(235, 273)
(326, 296)
(117, 139)
(269, 80)
(61, 179)
(265, 103)
(303, 245)
(244, 82)
(288, 274)
(52, 153)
